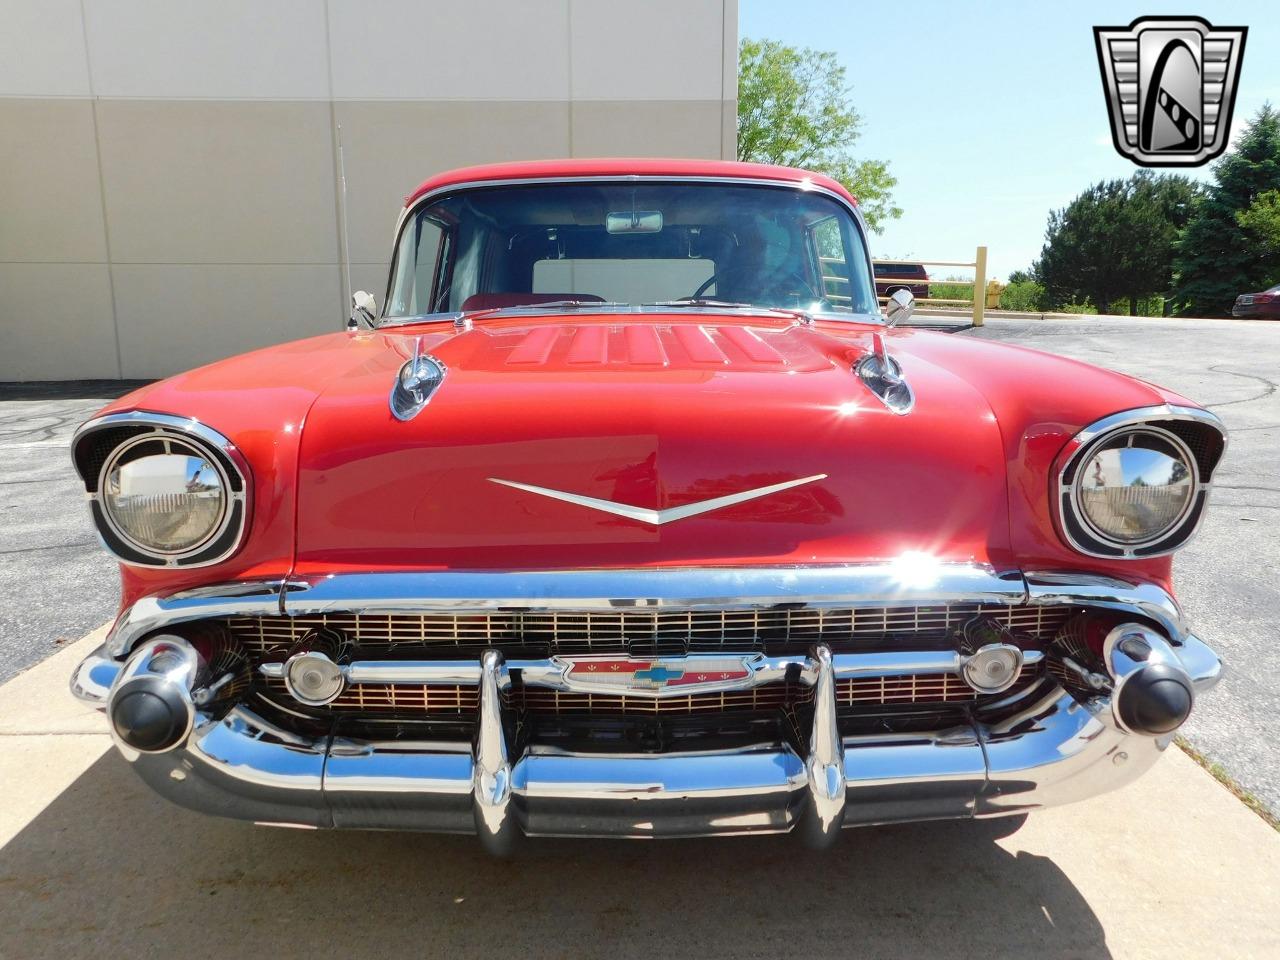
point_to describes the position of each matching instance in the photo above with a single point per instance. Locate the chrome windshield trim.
(639, 310)
(804, 186)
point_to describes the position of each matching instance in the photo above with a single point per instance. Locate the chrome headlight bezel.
(98, 448)
(148, 446)
(1198, 439)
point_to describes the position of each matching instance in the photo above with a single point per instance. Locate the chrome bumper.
(1056, 750)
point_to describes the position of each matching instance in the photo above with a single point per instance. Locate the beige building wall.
(169, 188)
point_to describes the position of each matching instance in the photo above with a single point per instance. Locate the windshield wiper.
(547, 305)
(701, 302)
(803, 315)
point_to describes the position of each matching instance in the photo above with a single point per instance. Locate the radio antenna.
(345, 252)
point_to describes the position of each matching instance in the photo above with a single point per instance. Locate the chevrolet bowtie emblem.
(643, 676)
(658, 517)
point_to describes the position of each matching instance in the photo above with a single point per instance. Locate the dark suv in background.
(894, 276)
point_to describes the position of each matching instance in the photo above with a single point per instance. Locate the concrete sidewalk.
(92, 864)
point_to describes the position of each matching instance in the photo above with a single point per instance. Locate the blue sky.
(990, 114)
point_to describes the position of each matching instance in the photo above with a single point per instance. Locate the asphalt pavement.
(56, 584)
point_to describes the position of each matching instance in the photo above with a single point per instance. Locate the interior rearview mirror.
(900, 306)
(634, 221)
(364, 310)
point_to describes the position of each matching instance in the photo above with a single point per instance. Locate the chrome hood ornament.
(417, 380)
(658, 517)
(883, 376)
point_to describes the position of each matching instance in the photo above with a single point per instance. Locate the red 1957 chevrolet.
(630, 514)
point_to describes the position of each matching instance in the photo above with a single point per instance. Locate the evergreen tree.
(1216, 259)
(1115, 241)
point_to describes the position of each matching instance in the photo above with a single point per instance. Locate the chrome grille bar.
(587, 632)
(553, 673)
(408, 700)
(450, 686)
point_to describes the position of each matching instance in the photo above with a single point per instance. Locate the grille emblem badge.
(629, 676)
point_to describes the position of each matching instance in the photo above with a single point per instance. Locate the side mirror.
(901, 305)
(364, 310)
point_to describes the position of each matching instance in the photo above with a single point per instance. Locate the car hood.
(654, 413)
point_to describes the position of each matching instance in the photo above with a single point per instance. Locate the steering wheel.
(787, 274)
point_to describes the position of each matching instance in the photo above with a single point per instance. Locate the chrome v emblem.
(658, 517)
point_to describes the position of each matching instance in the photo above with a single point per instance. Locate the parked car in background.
(613, 521)
(1261, 306)
(893, 276)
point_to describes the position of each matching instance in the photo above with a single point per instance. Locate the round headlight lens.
(169, 501)
(1136, 486)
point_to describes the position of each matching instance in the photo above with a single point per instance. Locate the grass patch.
(952, 288)
(1215, 770)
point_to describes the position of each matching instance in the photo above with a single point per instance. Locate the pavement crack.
(1269, 387)
(1265, 426)
(51, 546)
(54, 733)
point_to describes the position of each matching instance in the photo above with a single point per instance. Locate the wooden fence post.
(979, 285)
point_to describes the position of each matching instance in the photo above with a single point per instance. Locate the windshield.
(630, 244)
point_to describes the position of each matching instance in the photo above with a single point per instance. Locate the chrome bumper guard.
(1055, 750)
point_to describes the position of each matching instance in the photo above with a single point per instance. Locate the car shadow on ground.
(110, 870)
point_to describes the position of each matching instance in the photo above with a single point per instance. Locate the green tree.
(794, 110)
(1261, 224)
(1023, 293)
(1216, 259)
(1115, 241)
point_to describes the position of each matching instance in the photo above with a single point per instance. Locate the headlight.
(164, 502)
(1136, 486)
(164, 491)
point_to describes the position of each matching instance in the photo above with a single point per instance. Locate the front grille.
(918, 689)
(410, 700)
(406, 700)
(640, 632)
(771, 696)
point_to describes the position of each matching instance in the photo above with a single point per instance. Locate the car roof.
(624, 167)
